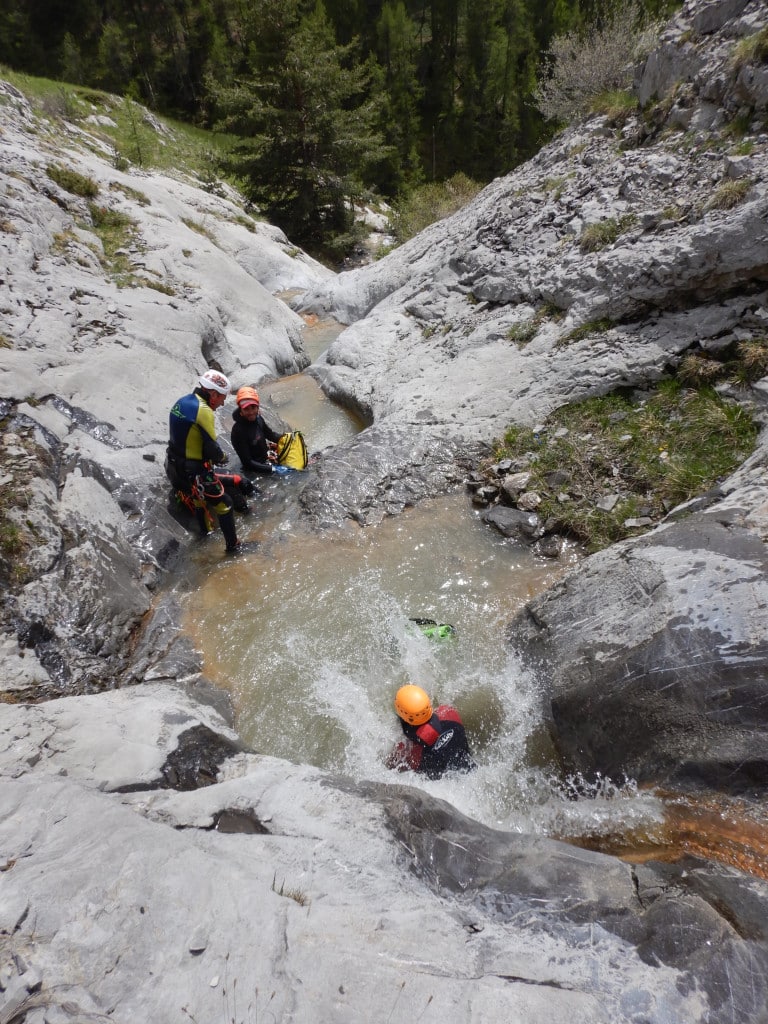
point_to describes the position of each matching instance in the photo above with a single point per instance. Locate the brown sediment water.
(713, 826)
(319, 634)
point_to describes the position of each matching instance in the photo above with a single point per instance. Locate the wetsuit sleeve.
(240, 444)
(405, 756)
(212, 452)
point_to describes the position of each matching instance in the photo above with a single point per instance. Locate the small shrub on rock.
(752, 50)
(605, 232)
(584, 65)
(429, 203)
(71, 181)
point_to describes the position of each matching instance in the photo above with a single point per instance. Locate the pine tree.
(397, 53)
(305, 122)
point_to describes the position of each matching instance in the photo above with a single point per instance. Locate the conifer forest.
(321, 102)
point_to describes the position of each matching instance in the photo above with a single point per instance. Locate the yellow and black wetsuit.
(193, 432)
(192, 444)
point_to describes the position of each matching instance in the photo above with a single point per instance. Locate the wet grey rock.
(653, 656)
(381, 471)
(513, 522)
(704, 923)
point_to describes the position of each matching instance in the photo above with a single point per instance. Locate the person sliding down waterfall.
(435, 741)
(193, 451)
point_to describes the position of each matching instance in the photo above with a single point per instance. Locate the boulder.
(653, 658)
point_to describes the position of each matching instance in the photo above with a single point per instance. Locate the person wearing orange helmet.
(251, 436)
(435, 741)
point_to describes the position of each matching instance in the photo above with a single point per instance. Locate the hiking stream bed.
(312, 634)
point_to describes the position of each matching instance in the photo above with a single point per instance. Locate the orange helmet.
(247, 396)
(413, 705)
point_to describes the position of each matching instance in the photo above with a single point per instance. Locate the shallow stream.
(312, 635)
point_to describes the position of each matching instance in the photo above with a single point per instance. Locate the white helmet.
(212, 380)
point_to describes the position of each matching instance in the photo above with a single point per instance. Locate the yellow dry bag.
(292, 450)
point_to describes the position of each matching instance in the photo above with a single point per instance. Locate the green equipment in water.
(435, 630)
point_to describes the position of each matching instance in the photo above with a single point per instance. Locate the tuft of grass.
(130, 193)
(751, 50)
(71, 181)
(525, 331)
(5, 341)
(554, 185)
(297, 895)
(10, 537)
(591, 327)
(615, 104)
(729, 194)
(697, 370)
(245, 222)
(200, 229)
(159, 286)
(117, 232)
(751, 362)
(605, 232)
(653, 453)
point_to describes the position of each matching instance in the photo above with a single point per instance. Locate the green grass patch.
(71, 181)
(615, 104)
(429, 203)
(135, 136)
(130, 193)
(200, 229)
(11, 542)
(752, 50)
(652, 453)
(158, 286)
(117, 232)
(525, 331)
(585, 330)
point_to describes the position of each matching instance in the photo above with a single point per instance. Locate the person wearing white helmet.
(193, 451)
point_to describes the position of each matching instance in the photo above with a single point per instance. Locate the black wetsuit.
(249, 439)
(439, 745)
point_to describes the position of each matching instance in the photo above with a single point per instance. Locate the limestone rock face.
(94, 349)
(433, 326)
(126, 895)
(154, 870)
